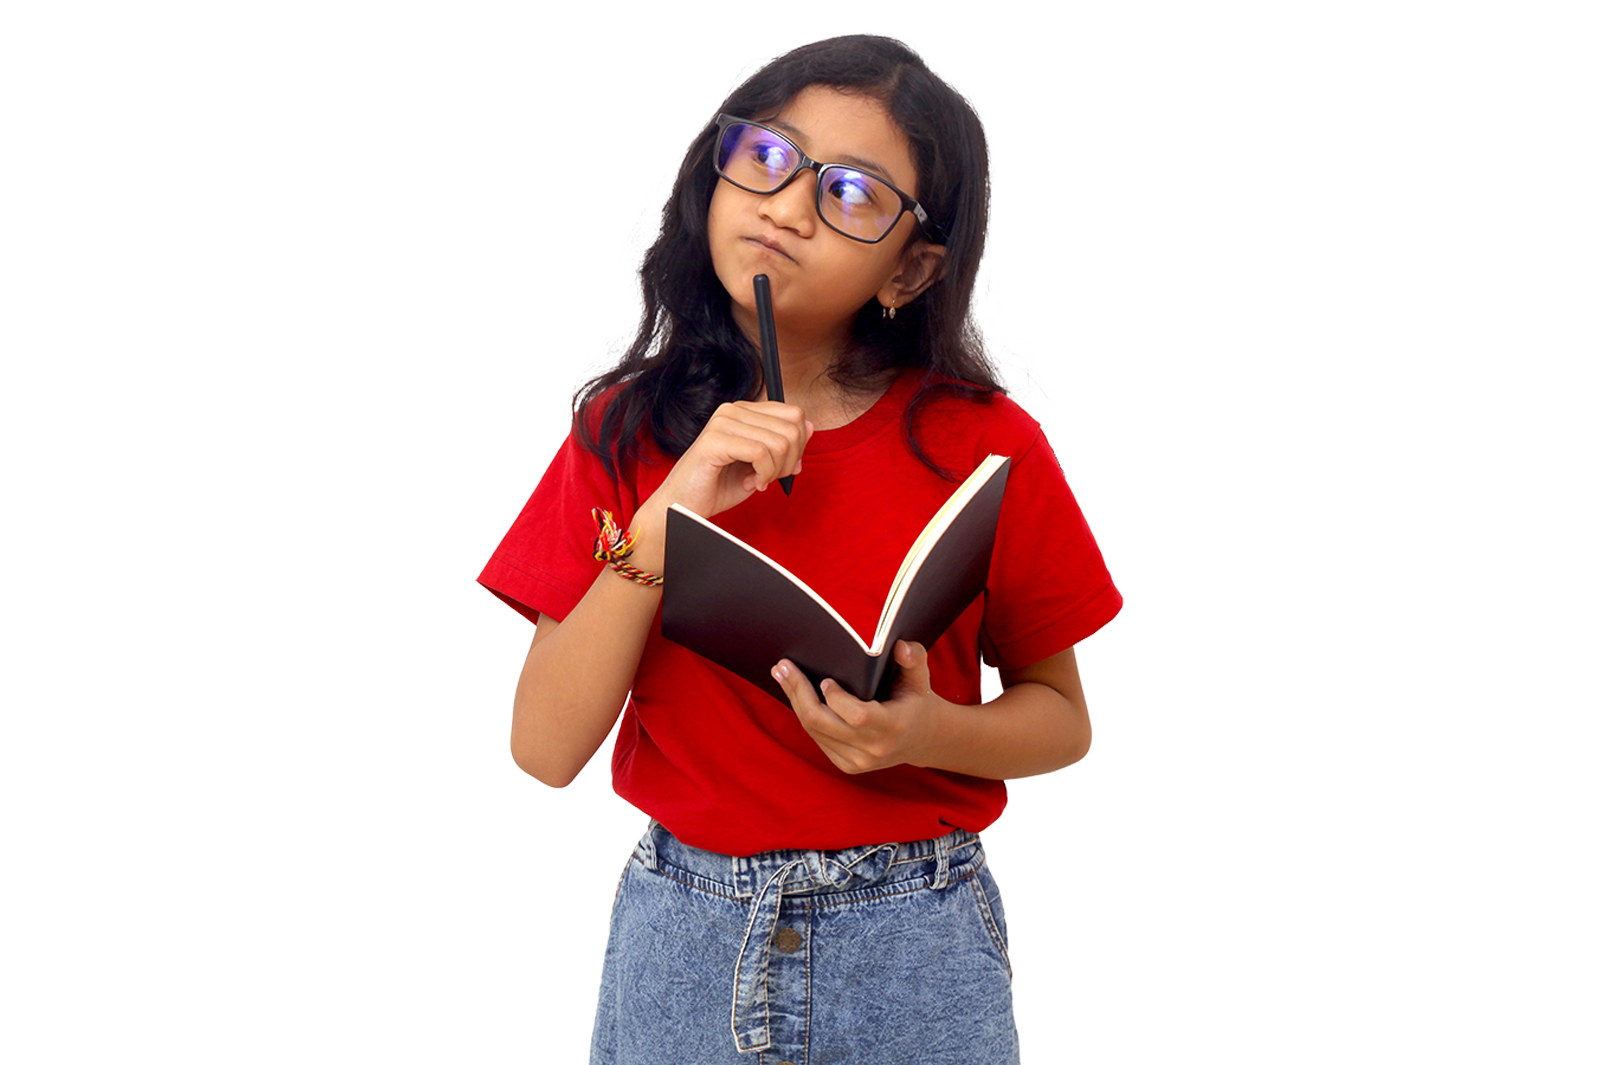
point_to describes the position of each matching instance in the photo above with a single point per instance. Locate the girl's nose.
(794, 206)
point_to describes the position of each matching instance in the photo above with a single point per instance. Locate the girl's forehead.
(823, 111)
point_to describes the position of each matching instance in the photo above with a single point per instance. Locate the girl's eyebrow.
(848, 160)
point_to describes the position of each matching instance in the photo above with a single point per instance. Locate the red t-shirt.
(722, 764)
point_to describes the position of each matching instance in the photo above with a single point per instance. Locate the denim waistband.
(766, 878)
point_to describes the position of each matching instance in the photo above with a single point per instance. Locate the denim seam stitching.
(919, 884)
(982, 898)
(930, 857)
(711, 887)
(805, 1039)
(696, 883)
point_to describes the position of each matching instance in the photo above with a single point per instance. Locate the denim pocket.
(992, 911)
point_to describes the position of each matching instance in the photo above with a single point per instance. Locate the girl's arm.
(576, 678)
(512, 635)
(1039, 723)
(578, 671)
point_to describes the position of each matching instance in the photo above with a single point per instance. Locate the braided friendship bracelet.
(611, 546)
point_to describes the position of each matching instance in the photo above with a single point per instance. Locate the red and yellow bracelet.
(611, 546)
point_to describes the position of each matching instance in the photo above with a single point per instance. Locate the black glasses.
(852, 201)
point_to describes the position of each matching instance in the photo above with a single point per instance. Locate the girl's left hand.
(858, 736)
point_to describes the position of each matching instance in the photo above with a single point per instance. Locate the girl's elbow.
(544, 774)
(1079, 749)
(540, 767)
(1082, 738)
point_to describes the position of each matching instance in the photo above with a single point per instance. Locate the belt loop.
(941, 872)
(646, 850)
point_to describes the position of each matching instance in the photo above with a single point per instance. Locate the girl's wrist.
(617, 550)
(649, 531)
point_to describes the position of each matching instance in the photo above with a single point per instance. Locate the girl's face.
(820, 278)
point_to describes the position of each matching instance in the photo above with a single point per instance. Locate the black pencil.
(772, 370)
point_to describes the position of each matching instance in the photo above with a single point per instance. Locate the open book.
(734, 605)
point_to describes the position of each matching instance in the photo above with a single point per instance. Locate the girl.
(811, 887)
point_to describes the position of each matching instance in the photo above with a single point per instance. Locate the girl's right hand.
(743, 449)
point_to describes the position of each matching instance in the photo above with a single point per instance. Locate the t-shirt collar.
(888, 409)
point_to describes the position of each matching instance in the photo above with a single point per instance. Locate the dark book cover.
(725, 600)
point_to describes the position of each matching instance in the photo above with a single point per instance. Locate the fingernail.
(797, 466)
(780, 671)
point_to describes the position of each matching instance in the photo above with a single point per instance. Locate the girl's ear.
(920, 266)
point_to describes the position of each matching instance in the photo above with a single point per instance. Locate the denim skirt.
(893, 953)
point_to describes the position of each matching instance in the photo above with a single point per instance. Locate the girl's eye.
(853, 191)
(775, 158)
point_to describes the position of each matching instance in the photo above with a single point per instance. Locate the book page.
(927, 538)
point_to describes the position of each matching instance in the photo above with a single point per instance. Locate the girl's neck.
(828, 402)
(808, 382)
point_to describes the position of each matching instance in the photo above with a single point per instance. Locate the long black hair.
(689, 357)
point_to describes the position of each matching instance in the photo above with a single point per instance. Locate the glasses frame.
(907, 204)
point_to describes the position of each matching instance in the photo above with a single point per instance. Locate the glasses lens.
(856, 203)
(754, 158)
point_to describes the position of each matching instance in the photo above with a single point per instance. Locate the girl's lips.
(771, 245)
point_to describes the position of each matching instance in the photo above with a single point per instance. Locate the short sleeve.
(1048, 584)
(545, 563)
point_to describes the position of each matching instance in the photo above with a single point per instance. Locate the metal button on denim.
(788, 941)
